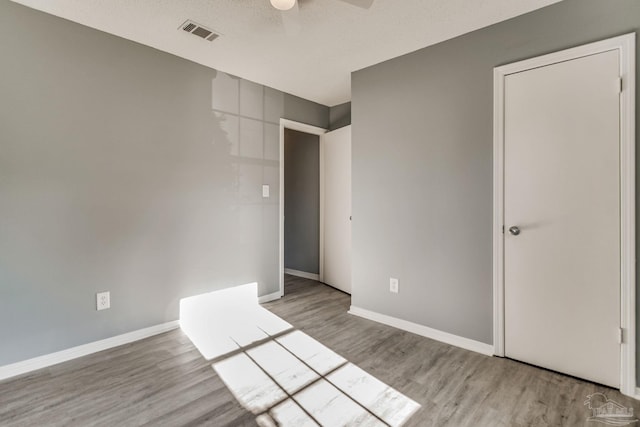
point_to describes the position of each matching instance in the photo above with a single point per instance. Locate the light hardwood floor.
(164, 381)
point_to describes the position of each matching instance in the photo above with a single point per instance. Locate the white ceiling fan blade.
(291, 20)
(364, 4)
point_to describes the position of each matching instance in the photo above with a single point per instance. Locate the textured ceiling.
(334, 37)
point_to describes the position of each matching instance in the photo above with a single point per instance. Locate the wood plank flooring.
(164, 381)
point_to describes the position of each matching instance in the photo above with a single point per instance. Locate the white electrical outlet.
(393, 285)
(265, 191)
(103, 300)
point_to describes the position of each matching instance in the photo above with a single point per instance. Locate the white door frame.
(626, 46)
(301, 127)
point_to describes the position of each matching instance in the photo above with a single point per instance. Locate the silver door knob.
(514, 230)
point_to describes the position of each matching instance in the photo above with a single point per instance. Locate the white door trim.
(626, 46)
(301, 127)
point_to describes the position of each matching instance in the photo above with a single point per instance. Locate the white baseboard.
(445, 337)
(304, 274)
(270, 297)
(46, 360)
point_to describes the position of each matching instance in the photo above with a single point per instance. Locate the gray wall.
(340, 116)
(302, 201)
(126, 169)
(422, 164)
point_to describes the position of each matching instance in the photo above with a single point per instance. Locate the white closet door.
(562, 217)
(337, 208)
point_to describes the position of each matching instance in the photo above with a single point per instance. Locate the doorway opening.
(301, 201)
(302, 204)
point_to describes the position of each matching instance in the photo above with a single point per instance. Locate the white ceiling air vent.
(199, 30)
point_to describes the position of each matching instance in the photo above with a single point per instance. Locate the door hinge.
(619, 84)
(620, 335)
(503, 229)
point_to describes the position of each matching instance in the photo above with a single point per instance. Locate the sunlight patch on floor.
(284, 376)
(224, 321)
(286, 369)
(249, 384)
(320, 358)
(288, 413)
(331, 407)
(386, 403)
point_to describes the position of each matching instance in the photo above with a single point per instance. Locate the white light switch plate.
(265, 191)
